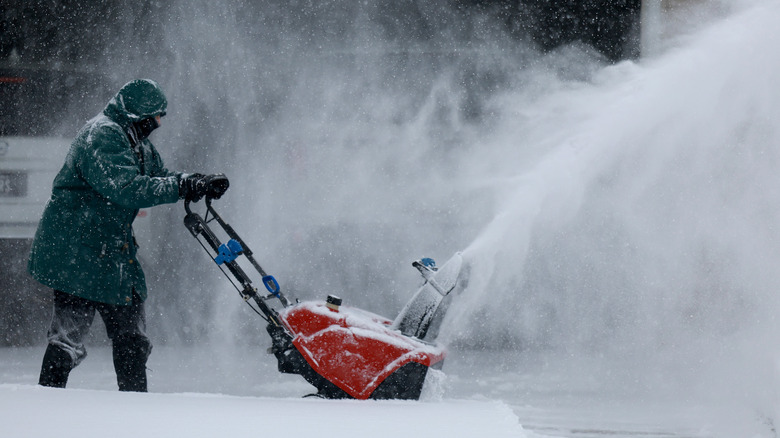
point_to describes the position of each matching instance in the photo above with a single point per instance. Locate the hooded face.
(145, 127)
(138, 106)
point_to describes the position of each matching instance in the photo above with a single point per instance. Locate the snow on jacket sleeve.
(111, 167)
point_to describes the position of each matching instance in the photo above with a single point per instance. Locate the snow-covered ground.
(209, 391)
(38, 412)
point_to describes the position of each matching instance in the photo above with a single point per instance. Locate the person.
(84, 247)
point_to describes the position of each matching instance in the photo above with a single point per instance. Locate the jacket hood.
(137, 100)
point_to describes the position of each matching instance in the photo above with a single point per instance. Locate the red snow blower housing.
(343, 351)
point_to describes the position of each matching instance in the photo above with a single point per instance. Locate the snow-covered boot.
(57, 364)
(130, 355)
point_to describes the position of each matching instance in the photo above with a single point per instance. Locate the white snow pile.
(31, 411)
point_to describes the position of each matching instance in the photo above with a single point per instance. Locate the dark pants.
(125, 325)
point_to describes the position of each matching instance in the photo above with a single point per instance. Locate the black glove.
(190, 187)
(216, 185)
(195, 186)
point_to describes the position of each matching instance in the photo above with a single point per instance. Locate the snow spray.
(643, 227)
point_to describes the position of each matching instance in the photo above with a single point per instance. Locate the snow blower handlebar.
(228, 252)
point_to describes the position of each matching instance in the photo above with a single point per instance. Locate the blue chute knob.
(429, 263)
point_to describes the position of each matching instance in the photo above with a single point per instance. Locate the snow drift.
(32, 412)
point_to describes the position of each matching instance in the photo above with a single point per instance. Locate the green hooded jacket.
(84, 244)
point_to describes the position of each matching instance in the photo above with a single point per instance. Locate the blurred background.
(343, 126)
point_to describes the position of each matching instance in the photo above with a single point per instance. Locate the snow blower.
(343, 352)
